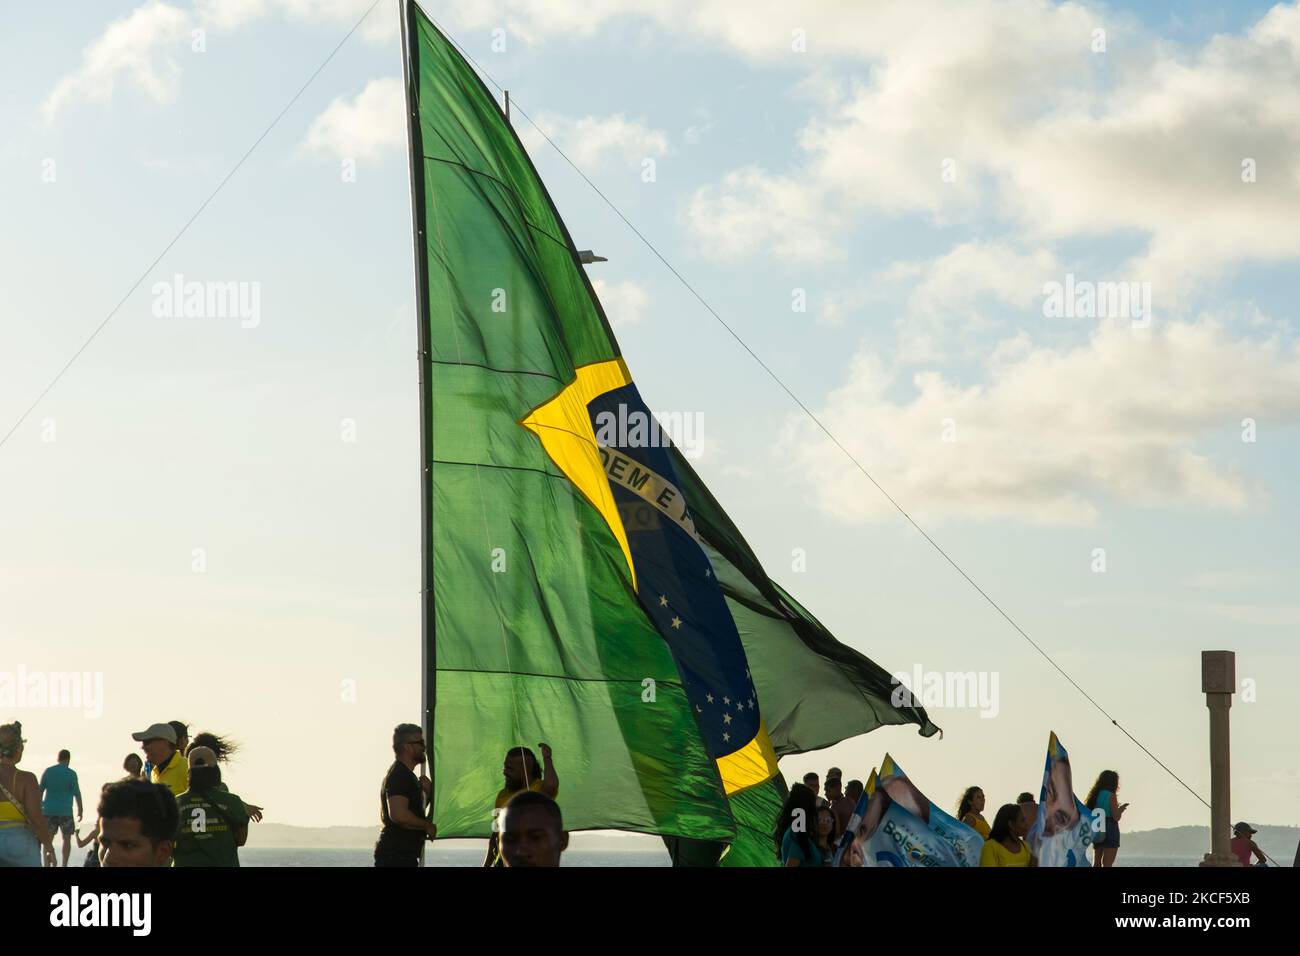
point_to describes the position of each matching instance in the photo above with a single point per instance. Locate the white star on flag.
(677, 623)
(709, 698)
(726, 718)
(663, 601)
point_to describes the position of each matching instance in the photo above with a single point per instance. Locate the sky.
(219, 516)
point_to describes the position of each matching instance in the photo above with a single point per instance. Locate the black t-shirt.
(393, 838)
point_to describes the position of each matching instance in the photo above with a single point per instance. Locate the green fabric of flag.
(535, 631)
(815, 690)
(755, 811)
(538, 637)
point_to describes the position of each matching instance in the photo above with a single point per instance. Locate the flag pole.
(415, 159)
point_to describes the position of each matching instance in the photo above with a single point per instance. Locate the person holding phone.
(1103, 796)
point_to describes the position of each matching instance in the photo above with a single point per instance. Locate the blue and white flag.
(1063, 829)
(899, 826)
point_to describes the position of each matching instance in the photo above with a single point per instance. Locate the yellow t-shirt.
(980, 826)
(175, 776)
(995, 854)
(503, 797)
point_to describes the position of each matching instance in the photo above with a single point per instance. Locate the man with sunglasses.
(401, 802)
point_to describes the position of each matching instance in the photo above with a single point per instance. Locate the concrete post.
(1218, 682)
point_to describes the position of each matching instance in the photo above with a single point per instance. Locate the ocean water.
(442, 856)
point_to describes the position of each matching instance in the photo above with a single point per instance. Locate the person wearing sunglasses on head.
(24, 834)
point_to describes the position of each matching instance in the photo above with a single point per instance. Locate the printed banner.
(900, 826)
(1062, 831)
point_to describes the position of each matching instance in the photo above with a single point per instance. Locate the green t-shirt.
(207, 830)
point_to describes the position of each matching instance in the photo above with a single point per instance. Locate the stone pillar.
(1218, 682)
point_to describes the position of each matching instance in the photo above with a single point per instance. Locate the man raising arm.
(521, 772)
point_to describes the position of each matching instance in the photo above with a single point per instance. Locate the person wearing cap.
(158, 742)
(1243, 847)
(213, 821)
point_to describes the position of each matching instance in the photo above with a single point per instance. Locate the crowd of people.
(810, 826)
(171, 807)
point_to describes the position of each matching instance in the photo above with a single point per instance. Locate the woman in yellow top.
(971, 811)
(1006, 844)
(24, 833)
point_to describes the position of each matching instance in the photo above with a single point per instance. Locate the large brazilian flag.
(582, 587)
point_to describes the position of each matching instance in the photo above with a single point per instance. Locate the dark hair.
(65, 756)
(533, 798)
(223, 747)
(801, 798)
(401, 732)
(133, 756)
(833, 836)
(11, 739)
(182, 730)
(150, 803)
(1002, 822)
(530, 759)
(964, 806)
(854, 785)
(838, 781)
(811, 775)
(1106, 780)
(1025, 797)
(203, 779)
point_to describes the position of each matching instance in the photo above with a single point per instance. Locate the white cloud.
(136, 46)
(1055, 432)
(952, 295)
(372, 122)
(625, 303)
(133, 47)
(230, 14)
(751, 210)
(1054, 140)
(591, 141)
(381, 25)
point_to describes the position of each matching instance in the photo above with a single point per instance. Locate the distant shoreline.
(1280, 842)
